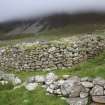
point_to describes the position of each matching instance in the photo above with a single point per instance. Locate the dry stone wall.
(79, 91)
(51, 55)
(75, 90)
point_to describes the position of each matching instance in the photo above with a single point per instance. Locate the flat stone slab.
(87, 84)
(77, 101)
(96, 104)
(99, 99)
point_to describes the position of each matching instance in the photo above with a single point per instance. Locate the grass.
(24, 97)
(6, 86)
(55, 34)
(92, 68)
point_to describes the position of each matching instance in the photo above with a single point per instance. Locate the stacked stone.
(51, 56)
(98, 91)
(92, 45)
(76, 90)
(80, 91)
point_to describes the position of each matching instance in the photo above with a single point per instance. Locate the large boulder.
(72, 87)
(97, 91)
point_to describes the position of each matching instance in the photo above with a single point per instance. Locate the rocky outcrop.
(26, 28)
(51, 55)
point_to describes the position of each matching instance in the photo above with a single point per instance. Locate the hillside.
(40, 60)
(55, 25)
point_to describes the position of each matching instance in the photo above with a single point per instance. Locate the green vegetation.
(92, 67)
(6, 86)
(55, 34)
(23, 97)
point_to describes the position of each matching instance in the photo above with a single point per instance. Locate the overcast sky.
(21, 9)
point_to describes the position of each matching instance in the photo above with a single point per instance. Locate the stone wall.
(51, 55)
(75, 90)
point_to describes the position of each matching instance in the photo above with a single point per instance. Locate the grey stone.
(40, 79)
(11, 78)
(77, 101)
(52, 49)
(71, 87)
(17, 81)
(96, 104)
(57, 91)
(60, 82)
(52, 86)
(99, 81)
(75, 91)
(31, 79)
(31, 86)
(84, 94)
(87, 84)
(97, 91)
(50, 90)
(99, 99)
(50, 78)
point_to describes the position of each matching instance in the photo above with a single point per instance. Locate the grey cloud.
(21, 9)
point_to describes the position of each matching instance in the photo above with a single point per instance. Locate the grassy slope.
(23, 97)
(55, 34)
(93, 67)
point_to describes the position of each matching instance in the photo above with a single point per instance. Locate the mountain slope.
(54, 25)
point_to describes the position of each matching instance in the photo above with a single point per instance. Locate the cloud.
(23, 9)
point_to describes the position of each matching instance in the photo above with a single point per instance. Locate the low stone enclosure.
(74, 90)
(51, 55)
